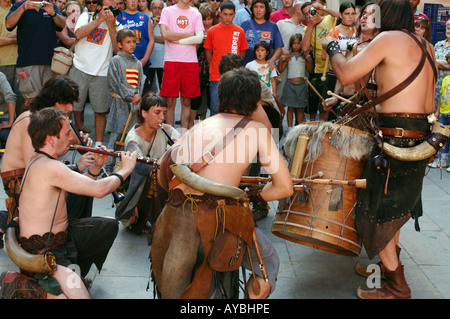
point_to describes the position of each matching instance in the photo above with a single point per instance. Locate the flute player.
(60, 92)
(82, 242)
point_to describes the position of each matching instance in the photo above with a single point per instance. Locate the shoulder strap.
(423, 46)
(57, 201)
(400, 87)
(208, 156)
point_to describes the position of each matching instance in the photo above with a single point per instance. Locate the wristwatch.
(54, 15)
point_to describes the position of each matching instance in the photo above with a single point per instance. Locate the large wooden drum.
(322, 215)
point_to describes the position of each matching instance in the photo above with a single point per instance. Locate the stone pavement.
(305, 273)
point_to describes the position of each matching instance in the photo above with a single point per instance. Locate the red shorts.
(180, 77)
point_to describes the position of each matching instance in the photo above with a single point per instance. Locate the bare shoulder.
(256, 124)
(23, 119)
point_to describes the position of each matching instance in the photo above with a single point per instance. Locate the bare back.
(403, 57)
(232, 162)
(394, 55)
(18, 148)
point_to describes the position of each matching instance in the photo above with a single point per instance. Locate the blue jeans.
(214, 98)
(445, 120)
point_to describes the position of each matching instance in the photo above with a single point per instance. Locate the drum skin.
(322, 216)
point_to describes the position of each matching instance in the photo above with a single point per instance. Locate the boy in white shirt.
(261, 67)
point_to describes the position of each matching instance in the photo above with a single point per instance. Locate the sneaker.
(438, 163)
(448, 169)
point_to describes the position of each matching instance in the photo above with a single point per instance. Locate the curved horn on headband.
(44, 263)
(197, 182)
(439, 135)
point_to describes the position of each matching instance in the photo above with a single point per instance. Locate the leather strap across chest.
(400, 87)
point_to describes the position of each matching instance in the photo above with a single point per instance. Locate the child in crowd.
(295, 94)
(261, 67)
(125, 83)
(443, 113)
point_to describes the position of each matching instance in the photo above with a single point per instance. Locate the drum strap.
(406, 82)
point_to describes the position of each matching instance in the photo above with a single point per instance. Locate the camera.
(39, 4)
(114, 10)
(312, 11)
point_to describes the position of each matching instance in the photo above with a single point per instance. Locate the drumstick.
(341, 98)
(327, 61)
(320, 96)
(318, 174)
(314, 89)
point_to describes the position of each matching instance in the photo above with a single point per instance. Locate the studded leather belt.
(400, 132)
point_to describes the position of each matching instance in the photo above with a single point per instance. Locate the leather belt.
(400, 132)
(405, 115)
(14, 173)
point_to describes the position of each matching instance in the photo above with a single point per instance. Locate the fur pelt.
(355, 146)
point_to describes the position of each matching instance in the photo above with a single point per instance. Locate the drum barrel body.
(322, 216)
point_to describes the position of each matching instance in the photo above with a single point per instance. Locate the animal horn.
(189, 178)
(44, 263)
(439, 135)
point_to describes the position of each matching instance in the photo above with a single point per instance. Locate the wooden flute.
(169, 138)
(359, 183)
(140, 159)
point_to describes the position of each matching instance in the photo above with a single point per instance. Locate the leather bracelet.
(93, 175)
(119, 176)
(333, 49)
(54, 15)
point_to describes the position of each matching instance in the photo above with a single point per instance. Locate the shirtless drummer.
(384, 206)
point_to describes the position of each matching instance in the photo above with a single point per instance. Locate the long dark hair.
(266, 4)
(58, 89)
(396, 15)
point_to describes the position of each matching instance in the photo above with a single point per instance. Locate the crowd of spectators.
(197, 34)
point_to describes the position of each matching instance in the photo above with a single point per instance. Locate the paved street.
(305, 273)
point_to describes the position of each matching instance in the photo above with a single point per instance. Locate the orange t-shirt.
(222, 40)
